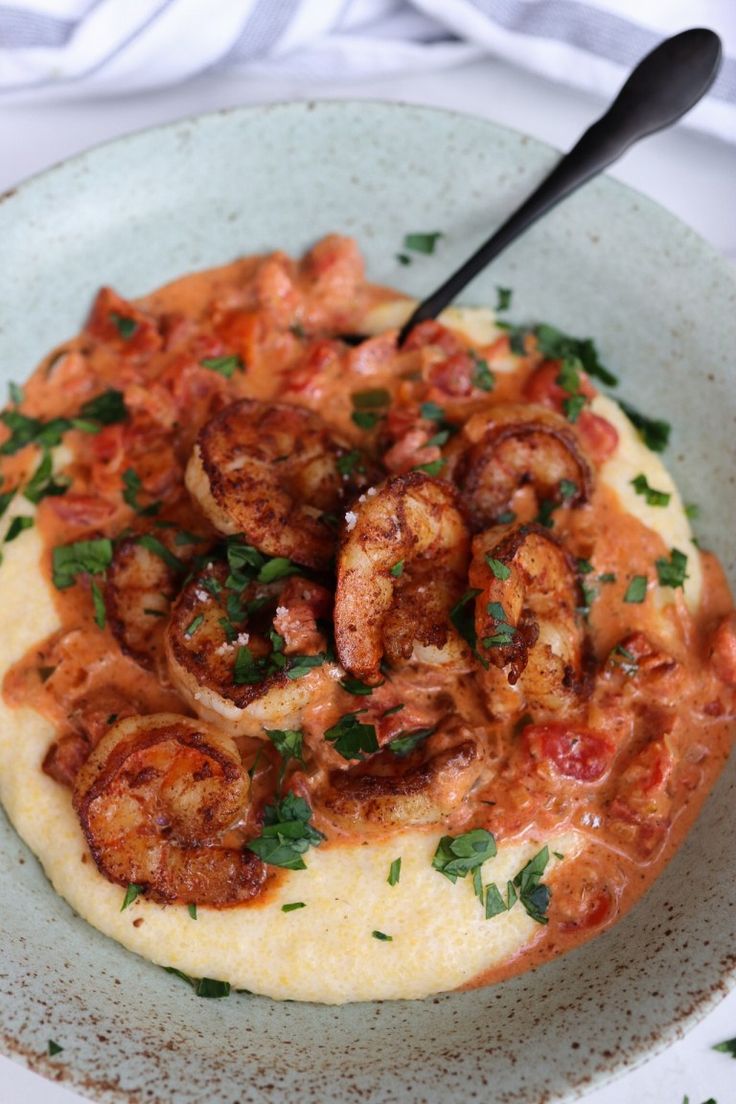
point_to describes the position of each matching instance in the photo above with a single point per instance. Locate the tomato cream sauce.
(639, 730)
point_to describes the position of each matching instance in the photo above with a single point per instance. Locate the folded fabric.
(53, 48)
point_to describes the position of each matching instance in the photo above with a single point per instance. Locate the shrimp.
(401, 569)
(155, 800)
(510, 446)
(526, 614)
(426, 792)
(271, 472)
(230, 664)
(139, 589)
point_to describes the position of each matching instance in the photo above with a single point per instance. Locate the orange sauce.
(668, 723)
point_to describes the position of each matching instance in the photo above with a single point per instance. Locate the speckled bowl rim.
(106, 1092)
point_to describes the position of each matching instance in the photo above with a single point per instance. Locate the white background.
(692, 175)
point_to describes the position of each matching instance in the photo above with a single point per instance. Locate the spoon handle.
(664, 85)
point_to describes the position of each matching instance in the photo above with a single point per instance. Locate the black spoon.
(661, 89)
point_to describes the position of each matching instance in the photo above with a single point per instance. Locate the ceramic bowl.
(608, 263)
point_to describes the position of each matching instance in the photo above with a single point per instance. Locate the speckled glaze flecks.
(609, 263)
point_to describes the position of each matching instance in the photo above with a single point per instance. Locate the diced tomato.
(320, 361)
(243, 332)
(599, 436)
(573, 751)
(118, 322)
(453, 376)
(65, 757)
(432, 333)
(594, 905)
(410, 451)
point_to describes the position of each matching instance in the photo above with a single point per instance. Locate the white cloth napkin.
(87, 48)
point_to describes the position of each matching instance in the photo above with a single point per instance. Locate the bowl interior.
(609, 264)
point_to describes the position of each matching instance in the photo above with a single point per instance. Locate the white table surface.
(692, 175)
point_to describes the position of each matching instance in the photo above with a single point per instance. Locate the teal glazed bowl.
(608, 263)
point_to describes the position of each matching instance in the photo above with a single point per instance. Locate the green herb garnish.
(355, 686)
(653, 431)
(54, 1048)
(653, 497)
(636, 591)
(224, 365)
(42, 483)
(434, 467)
(422, 243)
(351, 737)
(672, 572)
(90, 557)
(457, 856)
(131, 893)
(126, 327)
(382, 936)
(293, 906)
(482, 376)
(17, 526)
(286, 834)
(394, 872)
(533, 894)
(407, 740)
(499, 569)
(98, 603)
(503, 298)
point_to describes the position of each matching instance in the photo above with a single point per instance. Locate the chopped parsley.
(556, 345)
(506, 517)
(672, 572)
(422, 242)
(54, 1048)
(692, 510)
(500, 570)
(16, 527)
(628, 662)
(728, 1047)
(654, 432)
(394, 873)
(351, 737)
(546, 508)
(369, 407)
(153, 544)
(434, 467)
(350, 462)
(293, 906)
(503, 298)
(636, 591)
(432, 412)
(125, 326)
(408, 740)
(15, 393)
(224, 365)
(90, 557)
(457, 856)
(653, 497)
(132, 892)
(585, 567)
(42, 483)
(192, 910)
(203, 987)
(398, 569)
(382, 936)
(573, 407)
(482, 376)
(568, 489)
(607, 577)
(98, 603)
(289, 743)
(193, 625)
(462, 616)
(104, 409)
(286, 833)
(533, 894)
(132, 485)
(354, 686)
(494, 902)
(403, 258)
(504, 632)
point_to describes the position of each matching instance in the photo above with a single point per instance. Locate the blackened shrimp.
(511, 446)
(239, 659)
(390, 793)
(141, 583)
(401, 569)
(271, 472)
(155, 800)
(527, 615)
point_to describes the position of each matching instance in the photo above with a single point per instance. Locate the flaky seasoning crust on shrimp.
(401, 568)
(270, 471)
(155, 798)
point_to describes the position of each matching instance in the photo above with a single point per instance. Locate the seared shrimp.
(230, 663)
(139, 589)
(391, 795)
(270, 471)
(400, 570)
(526, 614)
(510, 446)
(155, 799)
